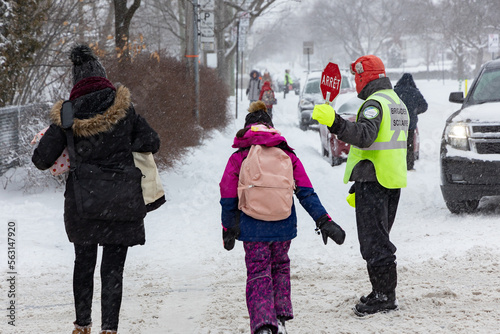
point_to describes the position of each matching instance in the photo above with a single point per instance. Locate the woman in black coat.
(416, 104)
(106, 130)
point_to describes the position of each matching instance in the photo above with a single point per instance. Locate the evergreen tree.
(20, 25)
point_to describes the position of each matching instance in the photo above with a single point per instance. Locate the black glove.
(248, 91)
(229, 236)
(329, 228)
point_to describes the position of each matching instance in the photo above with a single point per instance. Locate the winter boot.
(81, 329)
(108, 331)
(264, 330)
(364, 299)
(380, 302)
(281, 325)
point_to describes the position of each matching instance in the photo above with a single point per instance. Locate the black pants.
(113, 261)
(376, 208)
(410, 154)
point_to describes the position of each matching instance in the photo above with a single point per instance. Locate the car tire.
(324, 152)
(334, 161)
(459, 207)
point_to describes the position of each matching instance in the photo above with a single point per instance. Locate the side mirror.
(457, 97)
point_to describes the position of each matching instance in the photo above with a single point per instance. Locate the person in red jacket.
(267, 96)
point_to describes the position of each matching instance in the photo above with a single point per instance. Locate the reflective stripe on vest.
(401, 115)
(388, 151)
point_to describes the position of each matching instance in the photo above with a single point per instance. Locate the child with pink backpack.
(257, 190)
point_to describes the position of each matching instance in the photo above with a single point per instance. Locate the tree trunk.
(220, 16)
(460, 62)
(123, 17)
(106, 29)
(479, 59)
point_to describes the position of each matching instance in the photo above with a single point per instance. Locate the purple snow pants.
(268, 283)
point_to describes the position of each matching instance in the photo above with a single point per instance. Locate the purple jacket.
(254, 229)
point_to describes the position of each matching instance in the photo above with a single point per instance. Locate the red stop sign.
(330, 82)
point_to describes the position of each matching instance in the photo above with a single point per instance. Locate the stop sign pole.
(330, 82)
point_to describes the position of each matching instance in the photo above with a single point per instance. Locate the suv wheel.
(334, 161)
(467, 206)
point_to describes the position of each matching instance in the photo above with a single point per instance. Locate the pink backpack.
(266, 184)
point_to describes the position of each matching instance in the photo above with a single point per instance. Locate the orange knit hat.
(366, 69)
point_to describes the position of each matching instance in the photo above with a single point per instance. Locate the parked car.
(470, 144)
(311, 95)
(334, 149)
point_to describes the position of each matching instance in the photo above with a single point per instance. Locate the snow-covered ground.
(183, 281)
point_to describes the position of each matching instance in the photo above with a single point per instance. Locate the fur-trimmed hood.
(100, 122)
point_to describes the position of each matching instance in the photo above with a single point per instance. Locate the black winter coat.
(412, 98)
(106, 132)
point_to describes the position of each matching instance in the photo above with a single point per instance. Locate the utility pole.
(237, 61)
(196, 63)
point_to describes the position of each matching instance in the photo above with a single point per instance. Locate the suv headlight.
(457, 136)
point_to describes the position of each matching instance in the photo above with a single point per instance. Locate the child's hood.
(259, 134)
(266, 86)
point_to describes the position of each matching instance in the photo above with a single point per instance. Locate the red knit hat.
(366, 69)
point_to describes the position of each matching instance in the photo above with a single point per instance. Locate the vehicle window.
(312, 87)
(488, 87)
(350, 107)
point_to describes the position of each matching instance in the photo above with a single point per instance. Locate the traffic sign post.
(493, 44)
(308, 48)
(330, 82)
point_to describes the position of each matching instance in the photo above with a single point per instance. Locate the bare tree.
(166, 22)
(123, 18)
(361, 26)
(67, 22)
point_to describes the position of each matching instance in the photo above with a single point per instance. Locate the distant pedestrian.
(267, 96)
(267, 241)
(416, 104)
(254, 86)
(267, 77)
(288, 84)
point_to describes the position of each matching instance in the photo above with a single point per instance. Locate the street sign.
(330, 82)
(207, 23)
(244, 25)
(308, 48)
(493, 43)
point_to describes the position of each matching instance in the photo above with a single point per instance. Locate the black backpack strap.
(73, 157)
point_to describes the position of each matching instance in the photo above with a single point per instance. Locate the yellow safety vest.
(388, 151)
